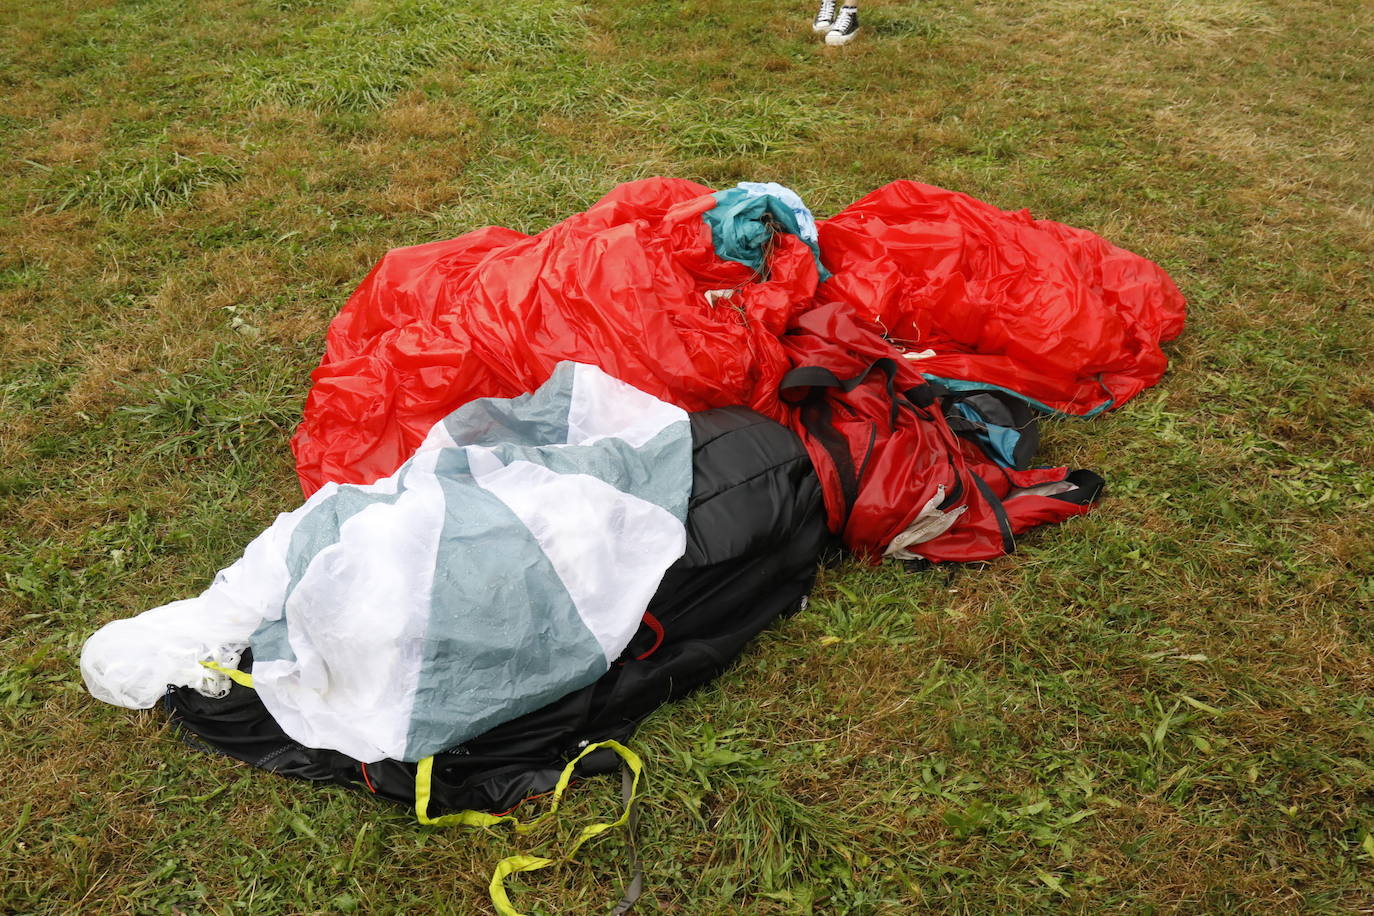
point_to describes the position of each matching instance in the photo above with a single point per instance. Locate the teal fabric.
(954, 384)
(998, 441)
(738, 230)
(504, 636)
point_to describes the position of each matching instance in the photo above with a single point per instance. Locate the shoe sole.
(818, 28)
(836, 41)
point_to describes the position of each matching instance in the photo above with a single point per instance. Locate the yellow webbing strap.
(234, 674)
(509, 866)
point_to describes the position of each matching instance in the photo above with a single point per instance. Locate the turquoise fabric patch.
(745, 218)
(954, 384)
(998, 441)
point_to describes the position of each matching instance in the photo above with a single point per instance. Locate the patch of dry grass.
(1164, 21)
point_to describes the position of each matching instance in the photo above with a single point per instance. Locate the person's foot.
(825, 17)
(845, 28)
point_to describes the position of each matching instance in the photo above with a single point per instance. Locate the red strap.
(652, 623)
(367, 780)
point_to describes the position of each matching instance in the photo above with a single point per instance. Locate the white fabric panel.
(357, 623)
(610, 549)
(339, 660)
(806, 222)
(605, 406)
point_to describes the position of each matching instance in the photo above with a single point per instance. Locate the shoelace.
(827, 13)
(847, 14)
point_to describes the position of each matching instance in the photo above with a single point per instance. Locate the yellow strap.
(424, 773)
(234, 674)
(510, 866)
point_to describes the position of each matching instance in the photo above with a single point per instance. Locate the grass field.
(1163, 707)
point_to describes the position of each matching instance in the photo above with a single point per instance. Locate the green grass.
(364, 58)
(1162, 707)
(141, 181)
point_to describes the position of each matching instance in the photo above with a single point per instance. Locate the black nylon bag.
(756, 529)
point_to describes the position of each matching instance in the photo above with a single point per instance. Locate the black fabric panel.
(1089, 488)
(923, 396)
(755, 529)
(997, 408)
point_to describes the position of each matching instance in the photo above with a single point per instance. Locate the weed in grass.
(360, 62)
(193, 414)
(153, 182)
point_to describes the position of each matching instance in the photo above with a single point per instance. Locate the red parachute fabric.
(1056, 314)
(634, 285)
(489, 314)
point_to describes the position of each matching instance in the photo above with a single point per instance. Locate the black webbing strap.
(808, 387)
(817, 420)
(820, 377)
(636, 885)
(925, 394)
(1089, 488)
(1003, 523)
(956, 493)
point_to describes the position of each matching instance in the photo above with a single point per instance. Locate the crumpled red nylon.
(1054, 313)
(489, 314)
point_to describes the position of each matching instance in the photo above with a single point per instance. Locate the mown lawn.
(1164, 707)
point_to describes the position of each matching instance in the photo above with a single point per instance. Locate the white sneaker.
(825, 17)
(845, 27)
